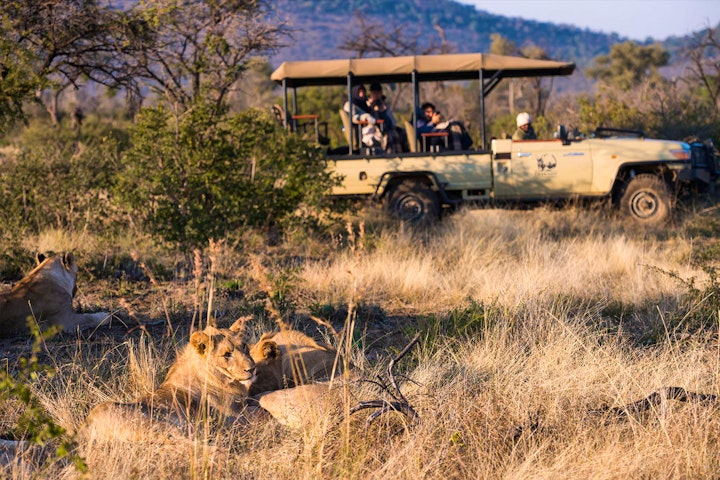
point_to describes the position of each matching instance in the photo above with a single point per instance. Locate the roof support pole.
(350, 104)
(416, 103)
(482, 108)
(295, 107)
(492, 82)
(285, 103)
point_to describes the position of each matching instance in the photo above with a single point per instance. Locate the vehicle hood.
(637, 149)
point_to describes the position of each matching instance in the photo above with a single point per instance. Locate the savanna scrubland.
(191, 205)
(529, 320)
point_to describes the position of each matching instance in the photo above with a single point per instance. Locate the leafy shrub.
(63, 185)
(196, 176)
(35, 424)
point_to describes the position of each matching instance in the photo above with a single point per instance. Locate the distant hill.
(321, 25)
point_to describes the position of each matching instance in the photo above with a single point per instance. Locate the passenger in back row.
(429, 120)
(394, 137)
(362, 114)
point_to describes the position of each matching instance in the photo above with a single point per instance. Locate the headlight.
(682, 154)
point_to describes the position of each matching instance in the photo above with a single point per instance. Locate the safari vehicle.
(641, 176)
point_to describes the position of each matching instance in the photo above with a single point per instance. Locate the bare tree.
(62, 43)
(704, 57)
(500, 45)
(541, 92)
(382, 39)
(192, 50)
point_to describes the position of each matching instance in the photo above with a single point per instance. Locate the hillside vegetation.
(321, 27)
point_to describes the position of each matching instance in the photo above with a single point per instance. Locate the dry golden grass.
(529, 321)
(509, 257)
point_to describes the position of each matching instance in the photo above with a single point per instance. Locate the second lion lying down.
(296, 377)
(46, 295)
(290, 358)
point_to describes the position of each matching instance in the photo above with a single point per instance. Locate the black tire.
(414, 202)
(646, 199)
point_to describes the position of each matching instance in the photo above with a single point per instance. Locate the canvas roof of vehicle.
(460, 66)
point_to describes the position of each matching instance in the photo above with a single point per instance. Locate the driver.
(524, 129)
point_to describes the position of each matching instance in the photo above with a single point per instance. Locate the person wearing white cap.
(524, 129)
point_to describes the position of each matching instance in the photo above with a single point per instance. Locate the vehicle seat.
(562, 134)
(501, 148)
(279, 115)
(347, 130)
(411, 136)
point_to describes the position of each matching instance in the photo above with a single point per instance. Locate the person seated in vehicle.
(361, 114)
(394, 137)
(429, 120)
(524, 130)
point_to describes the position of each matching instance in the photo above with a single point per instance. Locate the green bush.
(196, 176)
(63, 185)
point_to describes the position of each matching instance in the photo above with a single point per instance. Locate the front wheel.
(647, 200)
(414, 202)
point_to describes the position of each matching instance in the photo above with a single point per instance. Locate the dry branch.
(656, 399)
(400, 404)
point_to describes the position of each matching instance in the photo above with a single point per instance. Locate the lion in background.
(297, 379)
(290, 358)
(210, 377)
(46, 294)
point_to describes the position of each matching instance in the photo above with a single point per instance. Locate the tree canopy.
(628, 64)
(192, 50)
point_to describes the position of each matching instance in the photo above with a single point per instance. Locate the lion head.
(211, 374)
(268, 361)
(215, 366)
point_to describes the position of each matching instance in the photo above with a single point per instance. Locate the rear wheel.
(414, 202)
(647, 200)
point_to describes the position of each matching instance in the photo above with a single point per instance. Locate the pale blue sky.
(635, 19)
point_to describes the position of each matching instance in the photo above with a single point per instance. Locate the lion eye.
(228, 354)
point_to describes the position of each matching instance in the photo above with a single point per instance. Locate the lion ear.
(68, 260)
(240, 325)
(267, 335)
(40, 258)
(270, 349)
(201, 341)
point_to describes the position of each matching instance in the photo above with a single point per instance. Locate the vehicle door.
(549, 169)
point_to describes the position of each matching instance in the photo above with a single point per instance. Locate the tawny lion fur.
(46, 295)
(293, 379)
(290, 358)
(211, 375)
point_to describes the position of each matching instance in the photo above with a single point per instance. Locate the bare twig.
(325, 324)
(400, 404)
(399, 357)
(384, 406)
(656, 399)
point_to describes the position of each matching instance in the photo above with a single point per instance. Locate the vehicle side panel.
(546, 169)
(454, 170)
(609, 155)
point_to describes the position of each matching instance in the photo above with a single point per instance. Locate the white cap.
(523, 119)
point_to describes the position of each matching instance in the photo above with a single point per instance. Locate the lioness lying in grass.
(46, 295)
(210, 377)
(293, 377)
(290, 358)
